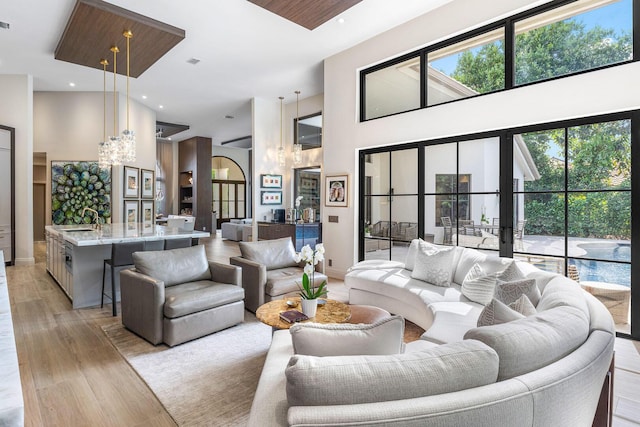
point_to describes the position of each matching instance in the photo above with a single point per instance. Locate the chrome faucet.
(96, 217)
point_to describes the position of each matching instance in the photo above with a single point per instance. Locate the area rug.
(209, 381)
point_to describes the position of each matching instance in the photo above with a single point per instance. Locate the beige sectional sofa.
(545, 369)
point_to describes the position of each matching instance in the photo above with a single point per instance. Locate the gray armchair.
(177, 295)
(269, 271)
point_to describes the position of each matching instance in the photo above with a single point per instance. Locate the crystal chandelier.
(297, 148)
(282, 158)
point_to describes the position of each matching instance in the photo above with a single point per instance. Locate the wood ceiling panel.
(309, 14)
(95, 26)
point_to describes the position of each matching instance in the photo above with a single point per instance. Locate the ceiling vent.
(193, 61)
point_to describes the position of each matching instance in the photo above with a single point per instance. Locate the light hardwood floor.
(73, 376)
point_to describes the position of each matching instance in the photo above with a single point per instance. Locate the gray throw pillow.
(496, 313)
(433, 264)
(508, 292)
(340, 339)
(478, 286)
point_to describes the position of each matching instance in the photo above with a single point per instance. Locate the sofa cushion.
(562, 291)
(339, 339)
(508, 292)
(192, 297)
(479, 286)
(433, 265)
(347, 380)
(274, 254)
(174, 266)
(496, 312)
(534, 342)
(285, 280)
(451, 320)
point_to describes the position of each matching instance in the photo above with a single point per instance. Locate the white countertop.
(84, 235)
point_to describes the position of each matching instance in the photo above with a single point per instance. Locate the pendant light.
(103, 160)
(114, 151)
(128, 137)
(282, 158)
(297, 148)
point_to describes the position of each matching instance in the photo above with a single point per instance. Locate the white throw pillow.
(410, 260)
(508, 292)
(511, 273)
(496, 312)
(478, 286)
(342, 339)
(523, 306)
(433, 264)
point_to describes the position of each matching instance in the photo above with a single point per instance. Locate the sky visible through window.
(617, 15)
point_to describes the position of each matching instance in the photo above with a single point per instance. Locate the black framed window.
(555, 40)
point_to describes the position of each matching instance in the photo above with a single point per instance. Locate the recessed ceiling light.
(4, 25)
(340, 20)
(161, 106)
(228, 116)
(193, 61)
(72, 84)
(144, 96)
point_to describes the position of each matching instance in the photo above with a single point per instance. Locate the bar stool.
(154, 245)
(121, 258)
(177, 243)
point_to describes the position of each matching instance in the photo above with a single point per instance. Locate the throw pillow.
(433, 264)
(508, 292)
(341, 339)
(496, 312)
(478, 286)
(410, 260)
(523, 306)
(511, 273)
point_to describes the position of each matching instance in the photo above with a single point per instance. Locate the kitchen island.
(76, 254)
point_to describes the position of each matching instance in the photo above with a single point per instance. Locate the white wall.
(610, 90)
(69, 125)
(16, 111)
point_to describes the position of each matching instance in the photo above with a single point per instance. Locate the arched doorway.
(229, 189)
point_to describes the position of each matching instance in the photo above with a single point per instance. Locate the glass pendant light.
(103, 149)
(128, 137)
(297, 148)
(282, 158)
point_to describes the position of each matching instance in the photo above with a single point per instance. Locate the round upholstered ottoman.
(367, 314)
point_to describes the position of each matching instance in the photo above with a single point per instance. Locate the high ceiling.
(244, 51)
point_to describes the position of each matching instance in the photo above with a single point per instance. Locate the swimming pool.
(602, 271)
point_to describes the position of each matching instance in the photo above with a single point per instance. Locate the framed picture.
(147, 178)
(130, 212)
(337, 191)
(271, 197)
(309, 184)
(271, 181)
(93, 190)
(131, 184)
(146, 214)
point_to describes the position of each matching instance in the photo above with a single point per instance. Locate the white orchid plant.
(297, 205)
(311, 257)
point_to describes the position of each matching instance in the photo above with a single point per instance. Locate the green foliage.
(307, 291)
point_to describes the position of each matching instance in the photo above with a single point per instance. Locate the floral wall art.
(76, 185)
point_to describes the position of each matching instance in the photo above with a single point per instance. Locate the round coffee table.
(331, 312)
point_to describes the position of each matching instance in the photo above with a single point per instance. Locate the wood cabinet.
(7, 193)
(194, 182)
